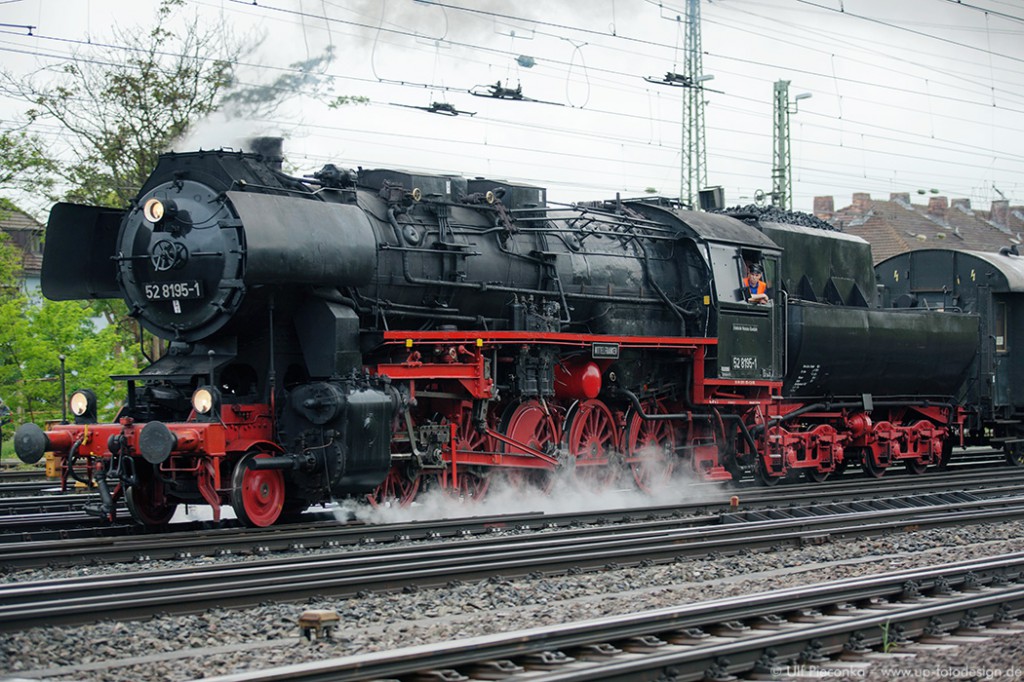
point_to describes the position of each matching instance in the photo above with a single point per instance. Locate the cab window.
(729, 270)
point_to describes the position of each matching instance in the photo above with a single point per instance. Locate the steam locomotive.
(376, 332)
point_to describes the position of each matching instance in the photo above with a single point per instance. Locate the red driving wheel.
(532, 425)
(257, 496)
(650, 449)
(398, 487)
(592, 439)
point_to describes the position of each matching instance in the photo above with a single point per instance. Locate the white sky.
(908, 95)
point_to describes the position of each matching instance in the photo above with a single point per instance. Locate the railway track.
(346, 574)
(25, 488)
(22, 482)
(324, 531)
(760, 635)
(44, 504)
(37, 511)
(13, 475)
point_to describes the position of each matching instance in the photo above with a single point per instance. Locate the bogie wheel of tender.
(815, 476)
(147, 505)
(398, 488)
(650, 450)
(916, 468)
(591, 437)
(1014, 453)
(762, 475)
(947, 454)
(871, 468)
(257, 496)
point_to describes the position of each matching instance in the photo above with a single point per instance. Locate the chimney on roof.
(962, 203)
(861, 202)
(937, 205)
(1000, 211)
(903, 197)
(824, 207)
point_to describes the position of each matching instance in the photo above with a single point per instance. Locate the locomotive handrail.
(412, 279)
(785, 332)
(392, 337)
(245, 186)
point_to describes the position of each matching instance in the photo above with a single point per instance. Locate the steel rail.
(42, 504)
(328, 535)
(131, 545)
(766, 630)
(70, 527)
(245, 584)
(12, 474)
(27, 487)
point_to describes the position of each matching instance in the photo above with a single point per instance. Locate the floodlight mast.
(782, 172)
(693, 161)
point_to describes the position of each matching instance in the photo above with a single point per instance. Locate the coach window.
(999, 326)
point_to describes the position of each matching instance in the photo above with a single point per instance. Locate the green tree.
(12, 325)
(31, 352)
(24, 165)
(128, 107)
(123, 104)
(34, 336)
(123, 110)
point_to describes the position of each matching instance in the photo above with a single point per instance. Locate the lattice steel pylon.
(782, 182)
(693, 164)
(782, 165)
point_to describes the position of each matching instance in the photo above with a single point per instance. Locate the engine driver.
(755, 288)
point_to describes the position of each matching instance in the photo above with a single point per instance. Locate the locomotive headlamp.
(206, 403)
(155, 210)
(83, 406)
(202, 401)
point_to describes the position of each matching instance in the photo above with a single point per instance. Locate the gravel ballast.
(220, 641)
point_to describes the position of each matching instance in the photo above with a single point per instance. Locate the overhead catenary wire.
(621, 74)
(63, 56)
(610, 78)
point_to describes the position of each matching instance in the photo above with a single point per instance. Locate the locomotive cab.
(749, 334)
(749, 330)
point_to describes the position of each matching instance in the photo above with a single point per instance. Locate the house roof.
(896, 225)
(26, 233)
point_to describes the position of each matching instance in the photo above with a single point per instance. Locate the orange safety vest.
(761, 286)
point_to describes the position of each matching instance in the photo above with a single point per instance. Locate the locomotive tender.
(375, 332)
